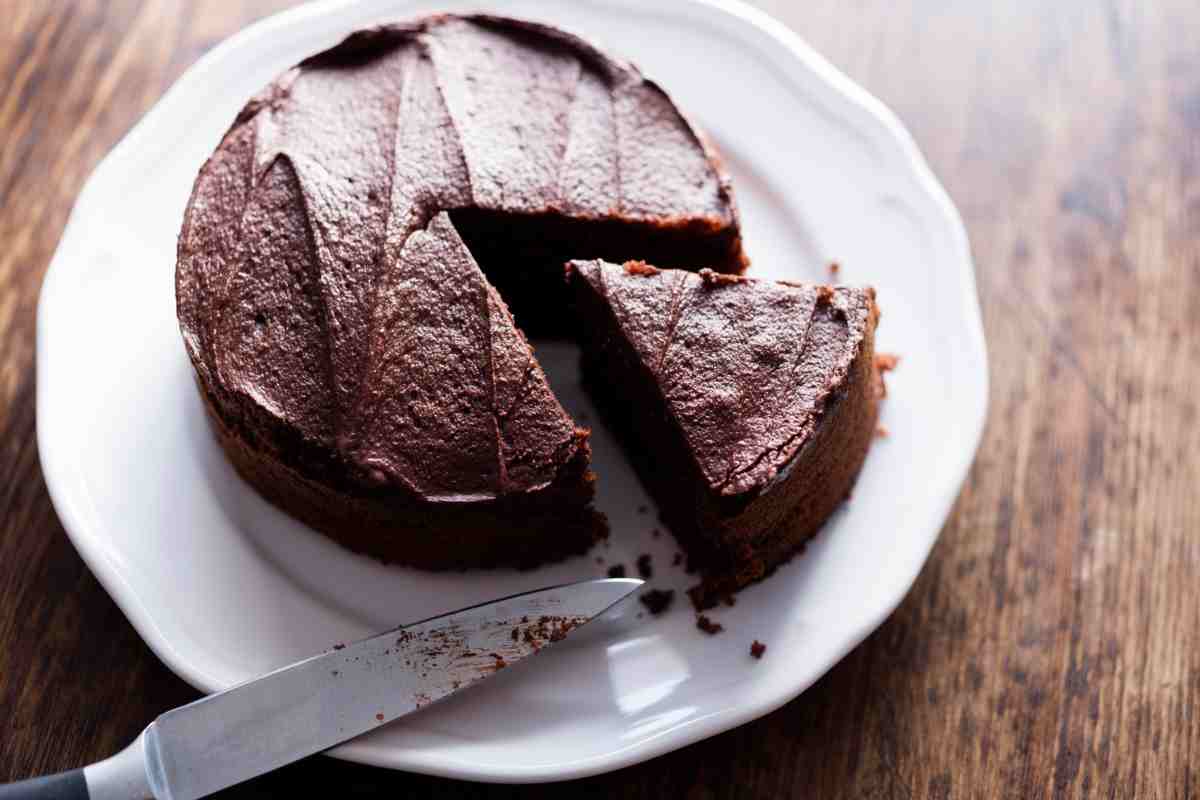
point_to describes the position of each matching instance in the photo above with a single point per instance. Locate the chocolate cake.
(359, 367)
(747, 406)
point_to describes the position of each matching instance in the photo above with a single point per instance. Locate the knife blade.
(314, 704)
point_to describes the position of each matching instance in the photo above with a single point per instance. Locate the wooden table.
(1051, 647)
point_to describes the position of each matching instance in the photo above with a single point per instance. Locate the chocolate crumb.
(599, 559)
(379, 717)
(640, 268)
(757, 649)
(616, 571)
(643, 566)
(525, 619)
(730, 600)
(657, 601)
(708, 626)
(712, 278)
(339, 646)
(677, 560)
(886, 362)
(335, 673)
(516, 634)
(656, 533)
(643, 509)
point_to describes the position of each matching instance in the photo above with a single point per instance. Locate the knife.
(314, 704)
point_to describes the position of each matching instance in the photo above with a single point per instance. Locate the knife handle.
(122, 777)
(69, 785)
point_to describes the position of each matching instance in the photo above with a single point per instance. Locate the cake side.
(747, 416)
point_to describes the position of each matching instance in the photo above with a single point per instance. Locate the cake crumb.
(616, 571)
(834, 268)
(712, 278)
(886, 362)
(708, 626)
(379, 717)
(730, 600)
(881, 431)
(677, 560)
(757, 649)
(640, 268)
(657, 601)
(643, 566)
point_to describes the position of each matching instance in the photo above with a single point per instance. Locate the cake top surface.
(745, 366)
(325, 297)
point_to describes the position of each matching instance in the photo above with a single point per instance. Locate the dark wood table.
(1051, 647)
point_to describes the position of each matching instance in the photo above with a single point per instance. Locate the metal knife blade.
(314, 704)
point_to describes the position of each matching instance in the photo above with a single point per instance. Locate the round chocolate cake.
(351, 252)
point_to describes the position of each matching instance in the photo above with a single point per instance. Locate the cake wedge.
(747, 406)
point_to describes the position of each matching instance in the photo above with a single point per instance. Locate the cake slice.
(747, 406)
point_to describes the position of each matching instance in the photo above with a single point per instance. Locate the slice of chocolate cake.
(747, 406)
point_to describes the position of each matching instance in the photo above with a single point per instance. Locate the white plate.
(224, 587)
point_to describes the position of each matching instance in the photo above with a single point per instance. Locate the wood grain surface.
(1050, 648)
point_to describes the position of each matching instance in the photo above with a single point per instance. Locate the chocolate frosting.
(745, 366)
(326, 300)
